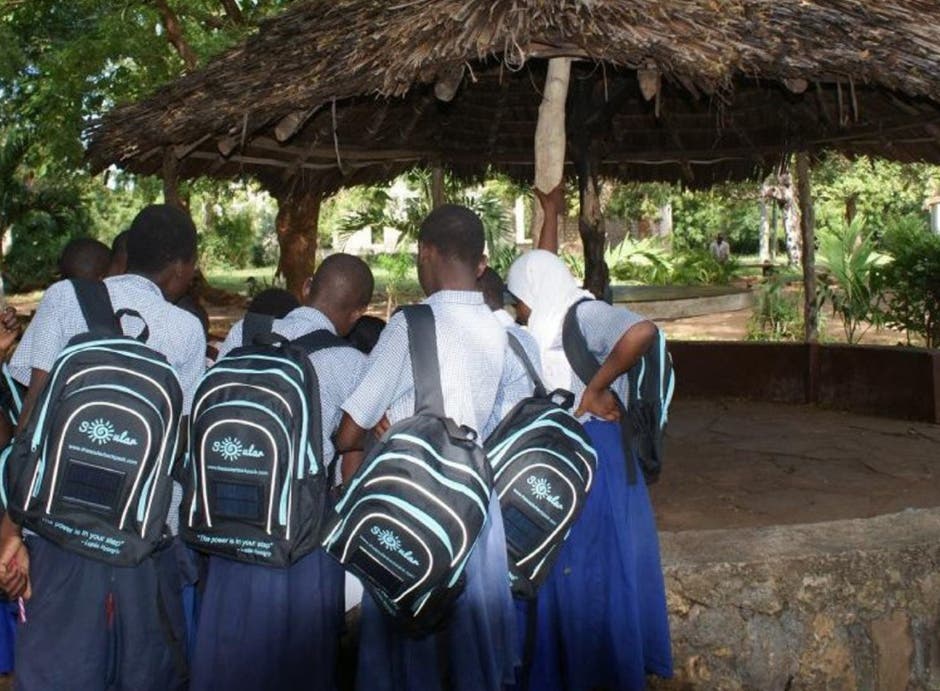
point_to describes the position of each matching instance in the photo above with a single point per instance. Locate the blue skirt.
(601, 614)
(8, 617)
(267, 628)
(479, 639)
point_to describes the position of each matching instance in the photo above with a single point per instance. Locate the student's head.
(365, 333)
(450, 249)
(341, 288)
(84, 258)
(274, 302)
(719, 238)
(161, 246)
(542, 285)
(493, 289)
(118, 254)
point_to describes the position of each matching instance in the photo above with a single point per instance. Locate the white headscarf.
(542, 281)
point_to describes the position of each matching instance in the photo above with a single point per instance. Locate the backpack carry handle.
(255, 325)
(144, 334)
(425, 365)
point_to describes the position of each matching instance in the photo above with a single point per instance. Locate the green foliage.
(643, 261)
(38, 240)
(395, 270)
(912, 281)
(850, 258)
(229, 242)
(778, 316)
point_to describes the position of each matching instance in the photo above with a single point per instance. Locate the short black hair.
(456, 232)
(84, 258)
(160, 235)
(493, 288)
(274, 302)
(365, 333)
(344, 280)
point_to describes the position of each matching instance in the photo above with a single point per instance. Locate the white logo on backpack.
(541, 489)
(101, 432)
(231, 449)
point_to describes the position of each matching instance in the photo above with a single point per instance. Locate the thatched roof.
(335, 92)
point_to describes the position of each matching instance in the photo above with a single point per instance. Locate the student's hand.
(552, 201)
(599, 403)
(14, 568)
(9, 329)
(381, 428)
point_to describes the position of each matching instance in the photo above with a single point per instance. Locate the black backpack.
(92, 469)
(543, 465)
(256, 482)
(12, 394)
(651, 384)
(413, 511)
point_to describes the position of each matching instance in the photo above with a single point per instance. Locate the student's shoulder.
(59, 292)
(185, 323)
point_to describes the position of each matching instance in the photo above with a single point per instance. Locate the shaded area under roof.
(331, 94)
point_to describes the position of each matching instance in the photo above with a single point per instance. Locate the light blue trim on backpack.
(424, 518)
(550, 452)
(427, 447)
(305, 417)
(497, 453)
(456, 486)
(4, 455)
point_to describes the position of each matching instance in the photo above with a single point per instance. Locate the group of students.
(178, 620)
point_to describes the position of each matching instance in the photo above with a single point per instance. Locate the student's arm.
(350, 442)
(597, 398)
(14, 561)
(553, 204)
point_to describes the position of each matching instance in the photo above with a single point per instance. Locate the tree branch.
(233, 11)
(174, 34)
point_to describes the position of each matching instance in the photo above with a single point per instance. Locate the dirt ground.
(735, 464)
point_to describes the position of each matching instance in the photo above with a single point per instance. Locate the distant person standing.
(720, 249)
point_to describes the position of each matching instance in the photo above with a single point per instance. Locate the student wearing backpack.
(475, 650)
(601, 615)
(267, 627)
(90, 624)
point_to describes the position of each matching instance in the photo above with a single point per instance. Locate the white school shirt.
(175, 333)
(515, 383)
(338, 369)
(603, 326)
(471, 346)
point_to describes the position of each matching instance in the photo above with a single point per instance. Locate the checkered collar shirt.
(175, 333)
(471, 348)
(338, 369)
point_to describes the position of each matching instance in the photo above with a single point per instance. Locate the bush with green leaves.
(778, 315)
(229, 242)
(850, 260)
(911, 282)
(644, 262)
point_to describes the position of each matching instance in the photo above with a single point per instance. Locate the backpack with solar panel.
(651, 383)
(413, 511)
(255, 480)
(92, 469)
(543, 465)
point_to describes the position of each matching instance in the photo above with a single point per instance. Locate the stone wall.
(842, 605)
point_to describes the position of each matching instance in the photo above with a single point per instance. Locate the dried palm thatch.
(337, 92)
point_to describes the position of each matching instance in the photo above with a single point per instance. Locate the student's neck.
(456, 278)
(324, 310)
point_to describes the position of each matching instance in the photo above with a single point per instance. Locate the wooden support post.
(298, 215)
(437, 186)
(808, 232)
(171, 170)
(550, 140)
(591, 228)
(764, 228)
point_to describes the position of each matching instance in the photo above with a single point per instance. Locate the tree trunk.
(764, 229)
(791, 222)
(171, 182)
(591, 228)
(550, 130)
(298, 215)
(808, 232)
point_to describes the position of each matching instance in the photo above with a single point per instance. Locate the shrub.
(33, 259)
(229, 243)
(778, 316)
(850, 258)
(912, 282)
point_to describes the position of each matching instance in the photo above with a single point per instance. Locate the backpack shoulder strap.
(255, 325)
(425, 365)
(321, 339)
(519, 350)
(579, 356)
(95, 303)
